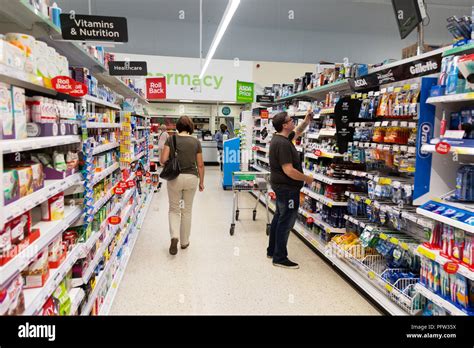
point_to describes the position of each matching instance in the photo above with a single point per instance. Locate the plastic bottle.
(442, 128)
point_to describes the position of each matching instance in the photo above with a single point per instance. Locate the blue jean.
(287, 204)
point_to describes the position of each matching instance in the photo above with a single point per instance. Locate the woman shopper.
(219, 137)
(181, 190)
(162, 138)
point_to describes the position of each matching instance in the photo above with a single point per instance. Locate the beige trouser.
(181, 193)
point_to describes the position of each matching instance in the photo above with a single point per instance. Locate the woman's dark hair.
(185, 124)
(223, 128)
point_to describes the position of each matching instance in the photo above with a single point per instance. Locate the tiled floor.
(220, 274)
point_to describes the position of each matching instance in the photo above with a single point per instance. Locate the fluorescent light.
(186, 101)
(228, 14)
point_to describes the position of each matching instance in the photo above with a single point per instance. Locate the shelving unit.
(12, 146)
(49, 231)
(320, 198)
(327, 179)
(105, 148)
(92, 125)
(104, 173)
(319, 91)
(439, 300)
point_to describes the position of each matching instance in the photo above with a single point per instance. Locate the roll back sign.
(77, 27)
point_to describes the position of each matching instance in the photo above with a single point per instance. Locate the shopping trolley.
(249, 182)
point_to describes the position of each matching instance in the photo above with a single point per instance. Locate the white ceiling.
(155, 27)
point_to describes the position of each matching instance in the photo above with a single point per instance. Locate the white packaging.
(53, 68)
(19, 112)
(26, 40)
(12, 56)
(6, 114)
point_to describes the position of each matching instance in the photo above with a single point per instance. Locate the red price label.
(264, 114)
(150, 147)
(131, 183)
(123, 184)
(310, 220)
(255, 148)
(63, 84)
(318, 153)
(148, 174)
(272, 195)
(139, 173)
(148, 181)
(451, 267)
(79, 90)
(115, 220)
(442, 148)
(119, 191)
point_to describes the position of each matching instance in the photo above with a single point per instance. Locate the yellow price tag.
(371, 275)
(406, 87)
(397, 90)
(353, 96)
(470, 95)
(368, 201)
(329, 205)
(383, 236)
(385, 181)
(404, 246)
(357, 198)
(427, 253)
(394, 240)
(389, 287)
(359, 95)
(328, 230)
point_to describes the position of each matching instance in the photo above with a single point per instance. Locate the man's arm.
(295, 174)
(302, 127)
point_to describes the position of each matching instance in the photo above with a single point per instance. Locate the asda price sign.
(245, 92)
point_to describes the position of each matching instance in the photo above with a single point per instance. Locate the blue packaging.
(55, 16)
(452, 80)
(455, 121)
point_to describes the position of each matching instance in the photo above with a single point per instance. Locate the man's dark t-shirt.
(282, 151)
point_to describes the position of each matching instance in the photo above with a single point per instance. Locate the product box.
(12, 55)
(6, 113)
(37, 273)
(19, 112)
(12, 300)
(25, 180)
(53, 208)
(20, 228)
(42, 130)
(11, 186)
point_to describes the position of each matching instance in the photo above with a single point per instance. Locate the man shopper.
(286, 179)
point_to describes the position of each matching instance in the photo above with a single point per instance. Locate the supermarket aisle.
(220, 274)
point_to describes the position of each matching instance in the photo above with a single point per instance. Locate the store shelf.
(100, 203)
(319, 91)
(22, 79)
(258, 168)
(262, 149)
(263, 159)
(139, 156)
(325, 132)
(105, 147)
(320, 198)
(28, 144)
(119, 86)
(435, 255)
(93, 125)
(451, 98)
(154, 159)
(143, 127)
(327, 179)
(49, 231)
(105, 173)
(142, 116)
(76, 295)
(317, 221)
(467, 209)
(101, 102)
(454, 149)
(438, 300)
(50, 189)
(323, 154)
(464, 49)
(138, 141)
(387, 147)
(327, 111)
(109, 299)
(35, 298)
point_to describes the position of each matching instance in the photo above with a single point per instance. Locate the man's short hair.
(279, 120)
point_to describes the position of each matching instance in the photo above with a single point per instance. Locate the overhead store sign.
(182, 76)
(156, 88)
(245, 92)
(417, 68)
(93, 28)
(265, 99)
(127, 68)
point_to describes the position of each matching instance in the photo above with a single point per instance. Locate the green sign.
(226, 111)
(244, 92)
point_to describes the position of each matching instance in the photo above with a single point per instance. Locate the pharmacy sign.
(245, 92)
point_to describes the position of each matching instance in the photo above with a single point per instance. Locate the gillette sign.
(417, 68)
(421, 68)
